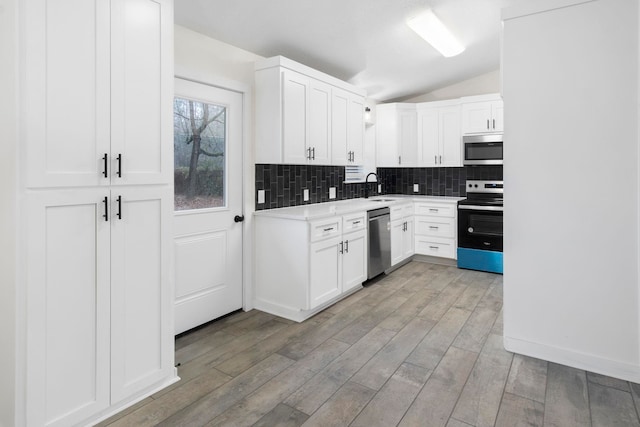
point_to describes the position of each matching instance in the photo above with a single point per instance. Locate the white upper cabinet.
(355, 143)
(340, 105)
(396, 140)
(482, 114)
(295, 106)
(306, 117)
(439, 137)
(93, 103)
(67, 90)
(320, 121)
(347, 127)
(141, 92)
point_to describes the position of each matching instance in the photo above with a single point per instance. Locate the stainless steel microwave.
(482, 149)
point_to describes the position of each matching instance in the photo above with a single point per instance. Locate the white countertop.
(342, 207)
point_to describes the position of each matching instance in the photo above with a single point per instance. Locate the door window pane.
(199, 142)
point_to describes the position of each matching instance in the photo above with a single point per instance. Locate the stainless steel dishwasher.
(379, 241)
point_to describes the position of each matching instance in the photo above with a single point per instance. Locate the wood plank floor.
(419, 347)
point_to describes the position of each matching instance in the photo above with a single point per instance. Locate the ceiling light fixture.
(430, 28)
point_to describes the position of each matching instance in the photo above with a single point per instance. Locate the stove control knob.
(470, 229)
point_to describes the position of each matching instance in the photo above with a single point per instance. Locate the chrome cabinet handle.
(308, 153)
(341, 247)
(328, 229)
(313, 153)
(399, 160)
(119, 214)
(494, 123)
(433, 227)
(434, 247)
(440, 157)
(435, 160)
(346, 246)
(433, 210)
(106, 165)
(105, 201)
(356, 222)
(487, 123)
(119, 173)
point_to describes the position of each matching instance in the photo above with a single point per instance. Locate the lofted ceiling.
(365, 42)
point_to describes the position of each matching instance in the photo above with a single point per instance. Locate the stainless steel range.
(480, 227)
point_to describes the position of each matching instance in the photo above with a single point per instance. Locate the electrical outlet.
(379, 188)
(260, 196)
(416, 188)
(332, 192)
(305, 194)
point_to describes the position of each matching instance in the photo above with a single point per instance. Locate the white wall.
(8, 217)
(200, 57)
(571, 168)
(480, 85)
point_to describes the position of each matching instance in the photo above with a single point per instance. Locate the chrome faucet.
(366, 184)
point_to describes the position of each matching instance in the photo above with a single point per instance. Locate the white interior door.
(208, 196)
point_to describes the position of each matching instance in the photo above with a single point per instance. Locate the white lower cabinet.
(401, 232)
(436, 229)
(302, 266)
(99, 308)
(354, 260)
(324, 271)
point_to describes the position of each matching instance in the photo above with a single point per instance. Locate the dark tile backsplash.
(435, 181)
(283, 184)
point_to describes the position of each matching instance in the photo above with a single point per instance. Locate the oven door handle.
(481, 208)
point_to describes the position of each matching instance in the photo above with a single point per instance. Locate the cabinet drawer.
(437, 227)
(433, 246)
(324, 229)
(436, 209)
(401, 211)
(354, 222)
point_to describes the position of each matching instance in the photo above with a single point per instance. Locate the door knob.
(238, 218)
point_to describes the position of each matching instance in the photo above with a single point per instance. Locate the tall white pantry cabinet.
(96, 164)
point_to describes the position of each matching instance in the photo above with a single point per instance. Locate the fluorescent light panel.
(430, 28)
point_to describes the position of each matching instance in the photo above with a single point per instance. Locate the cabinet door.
(339, 126)
(141, 289)
(450, 137)
(320, 122)
(295, 94)
(476, 117)
(386, 137)
(408, 139)
(66, 84)
(497, 116)
(325, 271)
(428, 137)
(407, 239)
(141, 92)
(354, 260)
(397, 241)
(355, 143)
(67, 305)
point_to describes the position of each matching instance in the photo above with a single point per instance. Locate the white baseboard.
(574, 359)
(296, 314)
